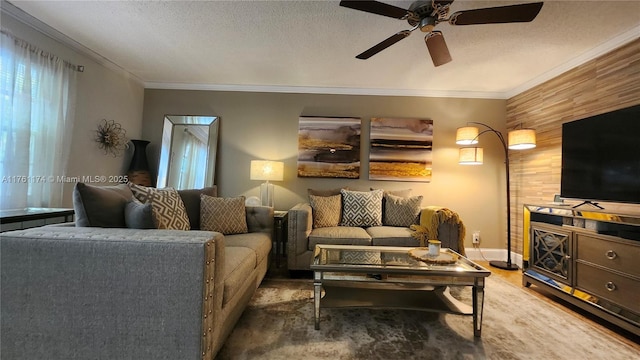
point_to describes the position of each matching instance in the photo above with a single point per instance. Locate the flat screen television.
(601, 157)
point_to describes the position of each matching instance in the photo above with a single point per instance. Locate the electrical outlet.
(476, 237)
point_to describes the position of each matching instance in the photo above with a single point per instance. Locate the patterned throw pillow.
(166, 205)
(361, 208)
(224, 215)
(326, 210)
(401, 211)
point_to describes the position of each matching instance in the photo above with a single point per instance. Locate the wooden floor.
(515, 277)
(276, 275)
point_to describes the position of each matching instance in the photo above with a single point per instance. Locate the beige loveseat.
(116, 293)
(303, 235)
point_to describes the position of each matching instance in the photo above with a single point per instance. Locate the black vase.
(139, 169)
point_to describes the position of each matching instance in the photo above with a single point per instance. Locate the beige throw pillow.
(224, 215)
(326, 210)
(166, 206)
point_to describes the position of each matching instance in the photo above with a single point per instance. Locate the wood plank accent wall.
(607, 83)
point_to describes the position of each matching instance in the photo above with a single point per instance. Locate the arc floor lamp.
(518, 139)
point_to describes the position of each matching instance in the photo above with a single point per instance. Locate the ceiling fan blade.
(437, 48)
(497, 15)
(383, 44)
(376, 7)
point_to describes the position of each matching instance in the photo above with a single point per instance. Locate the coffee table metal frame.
(387, 277)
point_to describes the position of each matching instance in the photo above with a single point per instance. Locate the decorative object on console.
(111, 137)
(400, 149)
(139, 168)
(329, 147)
(267, 170)
(518, 139)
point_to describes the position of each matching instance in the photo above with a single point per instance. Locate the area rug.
(278, 324)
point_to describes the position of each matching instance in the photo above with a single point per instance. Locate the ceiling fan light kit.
(426, 15)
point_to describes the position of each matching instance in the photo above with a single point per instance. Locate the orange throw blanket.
(430, 218)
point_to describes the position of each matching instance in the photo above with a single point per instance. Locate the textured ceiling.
(312, 44)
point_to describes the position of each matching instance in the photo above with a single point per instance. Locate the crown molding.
(325, 90)
(597, 51)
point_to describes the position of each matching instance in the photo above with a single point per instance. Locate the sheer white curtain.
(37, 101)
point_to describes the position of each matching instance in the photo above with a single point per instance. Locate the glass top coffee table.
(389, 277)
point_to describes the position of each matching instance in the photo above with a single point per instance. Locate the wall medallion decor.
(329, 147)
(111, 137)
(400, 149)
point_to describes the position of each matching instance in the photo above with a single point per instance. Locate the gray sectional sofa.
(114, 293)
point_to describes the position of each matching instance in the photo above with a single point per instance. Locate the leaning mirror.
(188, 153)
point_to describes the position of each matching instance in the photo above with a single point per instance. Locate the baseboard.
(492, 254)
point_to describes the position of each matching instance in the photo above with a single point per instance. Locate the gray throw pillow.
(100, 206)
(361, 208)
(138, 215)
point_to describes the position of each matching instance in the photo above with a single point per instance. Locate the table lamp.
(268, 171)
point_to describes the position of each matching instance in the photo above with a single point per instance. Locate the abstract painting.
(400, 149)
(329, 147)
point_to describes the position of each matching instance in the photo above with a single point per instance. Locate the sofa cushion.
(166, 205)
(225, 215)
(100, 206)
(191, 200)
(259, 242)
(400, 211)
(392, 236)
(338, 235)
(326, 210)
(361, 208)
(138, 215)
(239, 262)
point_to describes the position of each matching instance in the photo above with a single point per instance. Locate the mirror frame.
(170, 122)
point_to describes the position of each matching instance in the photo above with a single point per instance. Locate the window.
(36, 99)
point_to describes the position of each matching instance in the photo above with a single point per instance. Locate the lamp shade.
(267, 170)
(522, 139)
(470, 156)
(467, 135)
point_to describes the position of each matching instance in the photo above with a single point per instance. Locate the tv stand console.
(588, 258)
(587, 202)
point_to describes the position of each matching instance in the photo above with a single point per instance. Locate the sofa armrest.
(260, 219)
(300, 224)
(150, 293)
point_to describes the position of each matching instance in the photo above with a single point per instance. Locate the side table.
(280, 233)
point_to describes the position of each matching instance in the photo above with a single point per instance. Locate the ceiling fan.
(425, 15)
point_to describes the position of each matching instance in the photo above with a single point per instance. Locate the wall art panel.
(329, 147)
(400, 149)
